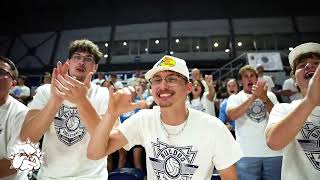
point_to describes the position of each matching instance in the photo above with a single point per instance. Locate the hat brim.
(303, 49)
(155, 70)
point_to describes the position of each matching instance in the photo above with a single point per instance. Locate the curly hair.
(85, 45)
(14, 71)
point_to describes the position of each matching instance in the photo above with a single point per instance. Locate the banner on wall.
(271, 61)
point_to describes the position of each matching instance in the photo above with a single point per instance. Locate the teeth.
(309, 75)
(165, 95)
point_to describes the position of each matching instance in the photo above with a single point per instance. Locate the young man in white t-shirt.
(12, 114)
(180, 142)
(250, 110)
(295, 128)
(66, 112)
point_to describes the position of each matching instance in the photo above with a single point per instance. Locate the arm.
(235, 112)
(212, 91)
(37, 121)
(260, 91)
(76, 92)
(281, 134)
(229, 173)
(5, 168)
(104, 141)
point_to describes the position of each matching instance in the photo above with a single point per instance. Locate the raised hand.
(62, 69)
(313, 88)
(209, 80)
(59, 70)
(120, 102)
(259, 90)
(71, 89)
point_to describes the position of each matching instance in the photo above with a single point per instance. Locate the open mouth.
(250, 84)
(80, 69)
(308, 75)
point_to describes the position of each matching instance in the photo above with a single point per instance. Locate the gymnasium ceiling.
(31, 16)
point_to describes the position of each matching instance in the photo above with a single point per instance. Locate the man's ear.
(189, 87)
(96, 68)
(14, 83)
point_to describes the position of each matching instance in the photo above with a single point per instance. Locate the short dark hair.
(85, 45)
(14, 71)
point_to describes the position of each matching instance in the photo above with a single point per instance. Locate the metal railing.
(230, 67)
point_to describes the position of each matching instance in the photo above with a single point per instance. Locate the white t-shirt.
(19, 91)
(250, 127)
(288, 84)
(98, 81)
(202, 143)
(203, 104)
(301, 157)
(118, 85)
(65, 142)
(12, 115)
(269, 81)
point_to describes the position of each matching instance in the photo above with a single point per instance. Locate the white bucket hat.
(303, 49)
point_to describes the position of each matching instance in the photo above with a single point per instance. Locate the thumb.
(54, 75)
(64, 68)
(137, 105)
(111, 90)
(88, 78)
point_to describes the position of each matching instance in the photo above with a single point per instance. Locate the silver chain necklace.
(169, 135)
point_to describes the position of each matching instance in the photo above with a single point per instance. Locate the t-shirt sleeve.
(232, 102)
(226, 150)
(41, 98)
(102, 106)
(131, 130)
(277, 113)
(222, 112)
(273, 98)
(16, 127)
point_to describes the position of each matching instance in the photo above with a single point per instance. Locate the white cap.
(303, 49)
(169, 63)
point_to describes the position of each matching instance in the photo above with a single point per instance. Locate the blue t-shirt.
(223, 114)
(126, 115)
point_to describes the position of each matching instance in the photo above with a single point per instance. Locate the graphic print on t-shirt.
(197, 105)
(69, 128)
(311, 143)
(257, 111)
(170, 162)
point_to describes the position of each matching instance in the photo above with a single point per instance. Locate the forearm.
(89, 115)
(5, 168)
(236, 112)
(282, 133)
(229, 174)
(37, 122)
(97, 147)
(212, 93)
